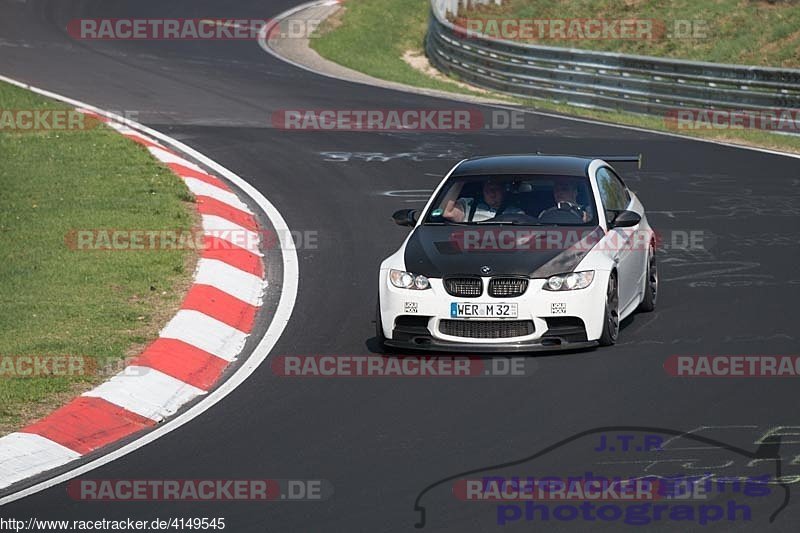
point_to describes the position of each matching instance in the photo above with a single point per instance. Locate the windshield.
(528, 200)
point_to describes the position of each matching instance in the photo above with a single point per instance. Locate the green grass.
(374, 43)
(750, 32)
(60, 301)
(350, 39)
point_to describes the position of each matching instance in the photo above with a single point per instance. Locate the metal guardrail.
(604, 80)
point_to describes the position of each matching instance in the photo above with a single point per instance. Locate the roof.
(525, 164)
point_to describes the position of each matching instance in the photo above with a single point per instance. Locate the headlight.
(569, 282)
(407, 280)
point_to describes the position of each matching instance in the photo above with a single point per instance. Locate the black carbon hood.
(439, 251)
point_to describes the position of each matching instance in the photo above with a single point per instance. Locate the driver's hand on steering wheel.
(576, 207)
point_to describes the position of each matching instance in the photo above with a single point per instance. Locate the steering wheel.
(519, 218)
(563, 213)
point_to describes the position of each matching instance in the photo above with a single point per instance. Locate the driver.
(491, 204)
(565, 195)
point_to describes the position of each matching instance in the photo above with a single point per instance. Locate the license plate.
(479, 310)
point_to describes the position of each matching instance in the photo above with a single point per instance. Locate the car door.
(615, 198)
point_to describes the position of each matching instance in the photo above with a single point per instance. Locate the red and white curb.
(193, 349)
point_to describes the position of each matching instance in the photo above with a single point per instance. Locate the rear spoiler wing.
(612, 158)
(621, 159)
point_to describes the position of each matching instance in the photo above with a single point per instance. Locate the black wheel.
(611, 318)
(651, 290)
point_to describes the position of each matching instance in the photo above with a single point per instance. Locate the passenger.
(492, 204)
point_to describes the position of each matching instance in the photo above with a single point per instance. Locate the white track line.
(283, 312)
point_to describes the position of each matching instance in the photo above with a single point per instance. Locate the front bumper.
(561, 320)
(436, 345)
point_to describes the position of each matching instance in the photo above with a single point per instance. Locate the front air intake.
(486, 329)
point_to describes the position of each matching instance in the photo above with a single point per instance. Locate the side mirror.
(405, 217)
(625, 219)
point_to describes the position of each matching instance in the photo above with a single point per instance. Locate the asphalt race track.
(381, 442)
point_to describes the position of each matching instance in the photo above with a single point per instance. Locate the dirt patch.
(418, 61)
(331, 23)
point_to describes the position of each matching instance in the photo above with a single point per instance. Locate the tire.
(651, 289)
(611, 315)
